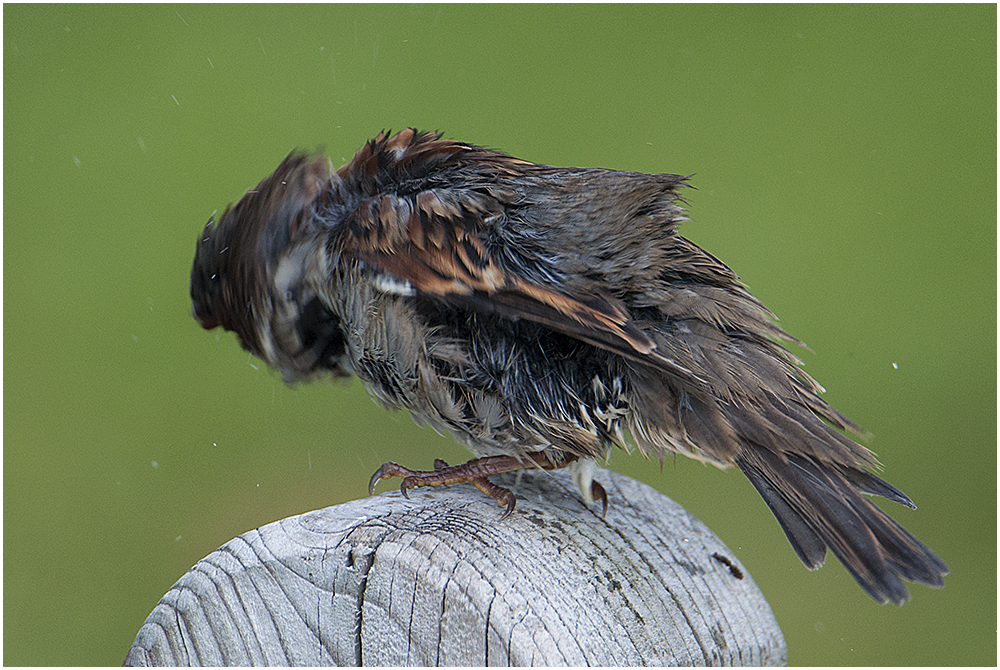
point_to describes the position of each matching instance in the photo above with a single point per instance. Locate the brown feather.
(430, 241)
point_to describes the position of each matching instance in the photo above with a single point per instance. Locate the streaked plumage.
(542, 315)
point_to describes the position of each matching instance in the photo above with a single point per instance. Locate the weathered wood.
(439, 580)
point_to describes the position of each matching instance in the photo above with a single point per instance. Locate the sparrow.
(543, 316)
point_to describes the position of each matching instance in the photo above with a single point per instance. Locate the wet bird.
(542, 316)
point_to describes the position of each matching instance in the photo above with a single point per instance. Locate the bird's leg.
(475, 472)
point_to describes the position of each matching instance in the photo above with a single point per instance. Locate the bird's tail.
(820, 506)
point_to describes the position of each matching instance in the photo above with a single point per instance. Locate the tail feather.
(872, 485)
(805, 541)
(820, 506)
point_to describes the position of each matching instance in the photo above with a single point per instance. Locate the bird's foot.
(475, 472)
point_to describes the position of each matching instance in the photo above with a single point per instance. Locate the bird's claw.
(475, 472)
(597, 492)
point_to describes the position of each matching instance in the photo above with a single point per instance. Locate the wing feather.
(431, 240)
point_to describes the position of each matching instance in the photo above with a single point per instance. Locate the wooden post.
(440, 580)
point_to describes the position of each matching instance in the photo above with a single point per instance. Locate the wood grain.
(439, 580)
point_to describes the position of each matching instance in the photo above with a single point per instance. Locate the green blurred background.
(845, 160)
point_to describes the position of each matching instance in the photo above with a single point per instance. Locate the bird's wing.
(429, 244)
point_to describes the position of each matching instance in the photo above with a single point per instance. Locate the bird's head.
(250, 266)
